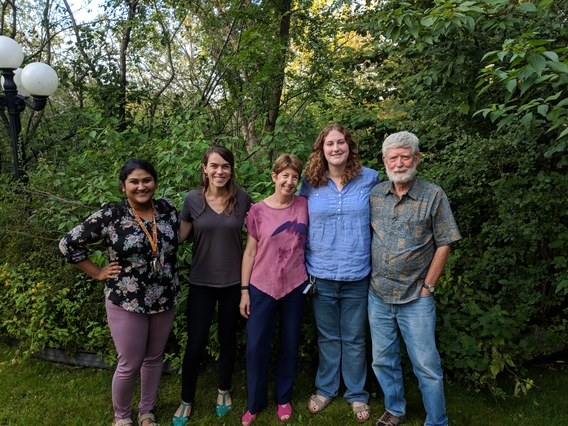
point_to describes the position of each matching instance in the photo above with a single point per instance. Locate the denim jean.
(340, 310)
(415, 322)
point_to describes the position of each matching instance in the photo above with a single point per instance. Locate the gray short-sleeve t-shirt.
(218, 244)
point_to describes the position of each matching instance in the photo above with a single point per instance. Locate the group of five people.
(365, 251)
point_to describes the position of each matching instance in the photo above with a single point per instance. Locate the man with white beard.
(412, 229)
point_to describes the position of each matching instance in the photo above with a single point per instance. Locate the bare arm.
(246, 271)
(110, 271)
(436, 267)
(184, 230)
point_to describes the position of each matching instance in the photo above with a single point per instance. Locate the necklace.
(155, 264)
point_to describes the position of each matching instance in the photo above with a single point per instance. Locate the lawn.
(34, 392)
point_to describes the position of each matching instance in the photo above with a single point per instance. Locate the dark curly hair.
(317, 167)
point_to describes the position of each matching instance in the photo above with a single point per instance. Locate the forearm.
(109, 271)
(89, 267)
(437, 265)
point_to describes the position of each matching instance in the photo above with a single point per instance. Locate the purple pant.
(140, 340)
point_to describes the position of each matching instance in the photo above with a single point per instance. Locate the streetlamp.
(37, 79)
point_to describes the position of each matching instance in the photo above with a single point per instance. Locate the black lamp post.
(37, 79)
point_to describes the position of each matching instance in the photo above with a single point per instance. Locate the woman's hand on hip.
(110, 271)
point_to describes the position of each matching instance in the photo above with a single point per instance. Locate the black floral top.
(136, 288)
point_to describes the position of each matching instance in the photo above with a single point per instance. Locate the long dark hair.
(231, 185)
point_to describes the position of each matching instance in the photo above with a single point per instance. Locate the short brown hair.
(287, 160)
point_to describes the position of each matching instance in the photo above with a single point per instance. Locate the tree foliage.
(482, 83)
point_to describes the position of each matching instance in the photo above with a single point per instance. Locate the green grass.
(38, 393)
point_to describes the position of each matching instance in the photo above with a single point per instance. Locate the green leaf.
(538, 62)
(558, 66)
(527, 119)
(542, 110)
(551, 55)
(527, 7)
(511, 85)
(428, 21)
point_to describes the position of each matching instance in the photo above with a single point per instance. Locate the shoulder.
(244, 198)
(306, 186)
(300, 200)
(429, 186)
(255, 207)
(380, 187)
(164, 204)
(243, 194)
(370, 175)
(194, 193)
(114, 210)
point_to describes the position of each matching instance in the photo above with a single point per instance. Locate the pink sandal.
(284, 412)
(248, 418)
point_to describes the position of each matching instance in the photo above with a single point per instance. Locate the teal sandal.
(181, 419)
(222, 409)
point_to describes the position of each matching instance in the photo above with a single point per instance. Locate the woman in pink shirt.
(273, 279)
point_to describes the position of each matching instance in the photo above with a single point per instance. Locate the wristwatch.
(430, 288)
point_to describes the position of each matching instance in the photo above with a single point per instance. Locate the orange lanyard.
(155, 266)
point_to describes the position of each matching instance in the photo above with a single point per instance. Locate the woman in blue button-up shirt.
(338, 259)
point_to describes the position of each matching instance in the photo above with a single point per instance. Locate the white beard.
(405, 178)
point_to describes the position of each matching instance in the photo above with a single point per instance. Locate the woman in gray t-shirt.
(214, 214)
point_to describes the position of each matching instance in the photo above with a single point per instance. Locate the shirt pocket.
(419, 232)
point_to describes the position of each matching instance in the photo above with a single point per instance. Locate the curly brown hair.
(317, 167)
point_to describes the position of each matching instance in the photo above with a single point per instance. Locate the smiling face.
(286, 182)
(336, 149)
(400, 164)
(139, 187)
(218, 170)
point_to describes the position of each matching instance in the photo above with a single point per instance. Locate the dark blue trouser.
(260, 329)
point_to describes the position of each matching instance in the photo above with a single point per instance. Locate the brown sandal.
(142, 417)
(364, 410)
(320, 403)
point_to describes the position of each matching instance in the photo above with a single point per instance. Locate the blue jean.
(415, 322)
(260, 329)
(340, 310)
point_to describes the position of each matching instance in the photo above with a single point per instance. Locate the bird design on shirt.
(294, 226)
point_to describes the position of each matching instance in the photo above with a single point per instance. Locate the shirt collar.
(412, 190)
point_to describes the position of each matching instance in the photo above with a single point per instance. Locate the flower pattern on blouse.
(137, 288)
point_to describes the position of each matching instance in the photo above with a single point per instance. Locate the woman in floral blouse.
(141, 283)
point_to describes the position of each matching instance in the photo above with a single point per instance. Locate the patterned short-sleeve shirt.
(137, 288)
(405, 235)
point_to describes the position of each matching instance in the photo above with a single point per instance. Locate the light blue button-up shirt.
(338, 244)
